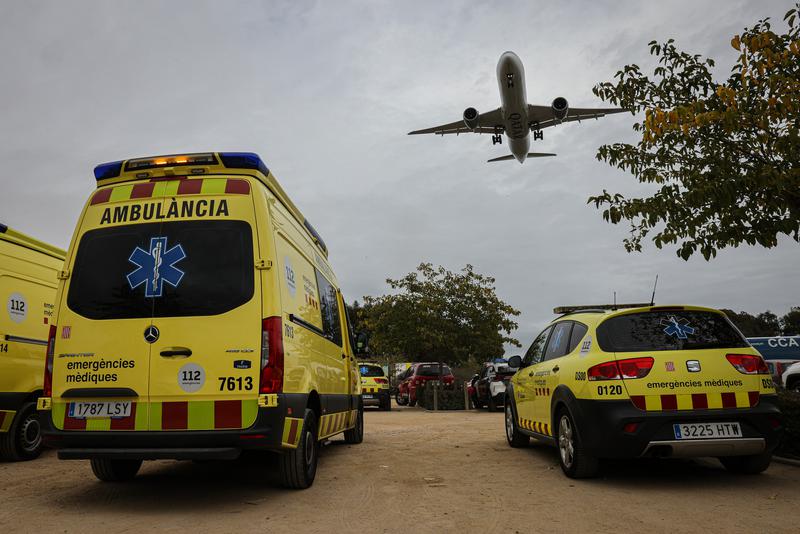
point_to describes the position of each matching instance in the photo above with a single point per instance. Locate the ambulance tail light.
(48, 365)
(271, 355)
(748, 364)
(621, 369)
(381, 381)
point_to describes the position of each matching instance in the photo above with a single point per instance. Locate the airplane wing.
(488, 123)
(544, 114)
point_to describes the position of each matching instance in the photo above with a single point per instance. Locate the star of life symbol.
(156, 266)
(677, 327)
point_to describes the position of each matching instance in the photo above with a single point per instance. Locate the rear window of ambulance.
(371, 371)
(668, 330)
(203, 268)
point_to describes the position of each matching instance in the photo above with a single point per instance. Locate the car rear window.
(371, 371)
(204, 268)
(432, 370)
(668, 330)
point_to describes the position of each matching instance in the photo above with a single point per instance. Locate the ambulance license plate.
(707, 430)
(368, 396)
(88, 410)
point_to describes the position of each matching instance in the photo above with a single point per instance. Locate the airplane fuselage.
(514, 104)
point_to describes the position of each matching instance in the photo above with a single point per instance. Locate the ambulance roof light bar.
(232, 160)
(597, 308)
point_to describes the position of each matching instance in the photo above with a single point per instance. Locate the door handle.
(530, 374)
(176, 352)
(555, 369)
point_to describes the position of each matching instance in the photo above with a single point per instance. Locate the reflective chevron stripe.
(6, 418)
(334, 423)
(534, 426)
(696, 401)
(291, 432)
(182, 415)
(176, 186)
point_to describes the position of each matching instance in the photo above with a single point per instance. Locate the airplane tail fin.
(530, 155)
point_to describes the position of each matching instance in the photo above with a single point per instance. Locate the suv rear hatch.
(682, 359)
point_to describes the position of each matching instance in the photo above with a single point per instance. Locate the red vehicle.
(414, 376)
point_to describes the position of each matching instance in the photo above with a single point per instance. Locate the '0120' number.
(235, 383)
(609, 390)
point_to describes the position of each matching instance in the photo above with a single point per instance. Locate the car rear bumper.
(217, 453)
(377, 399)
(601, 425)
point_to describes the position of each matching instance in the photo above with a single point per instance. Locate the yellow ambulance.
(374, 386)
(28, 278)
(198, 316)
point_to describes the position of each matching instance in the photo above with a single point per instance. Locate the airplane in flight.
(515, 117)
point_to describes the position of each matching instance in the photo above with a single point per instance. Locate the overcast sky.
(325, 92)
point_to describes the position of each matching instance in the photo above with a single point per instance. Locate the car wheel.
(515, 438)
(575, 462)
(747, 465)
(356, 434)
(109, 470)
(399, 399)
(298, 467)
(412, 402)
(477, 402)
(23, 441)
(387, 404)
(493, 406)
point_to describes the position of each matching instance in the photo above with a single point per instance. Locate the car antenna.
(653, 298)
(615, 300)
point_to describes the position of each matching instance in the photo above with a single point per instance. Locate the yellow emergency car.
(198, 316)
(665, 381)
(28, 278)
(374, 386)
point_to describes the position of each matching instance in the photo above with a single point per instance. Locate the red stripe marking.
(228, 414)
(237, 186)
(699, 401)
(729, 400)
(70, 423)
(293, 430)
(174, 415)
(639, 402)
(753, 397)
(125, 423)
(144, 190)
(167, 178)
(669, 402)
(104, 195)
(190, 187)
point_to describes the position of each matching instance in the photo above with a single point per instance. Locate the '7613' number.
(235, 383)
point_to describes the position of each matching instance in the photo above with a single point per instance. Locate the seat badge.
(151, 334)
(693, 366)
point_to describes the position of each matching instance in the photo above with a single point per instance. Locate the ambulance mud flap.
(222, 453)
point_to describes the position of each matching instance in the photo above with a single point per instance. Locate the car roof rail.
(596, 308)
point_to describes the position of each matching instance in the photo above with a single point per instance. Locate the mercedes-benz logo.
(151, 334)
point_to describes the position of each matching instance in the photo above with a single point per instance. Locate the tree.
(723, 156)
(764, 324)
(435, 314)
(790, 323)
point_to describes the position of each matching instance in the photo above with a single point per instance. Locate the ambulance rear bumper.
(220, 453)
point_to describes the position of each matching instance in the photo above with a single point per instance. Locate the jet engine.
(560, 108)
(471, 118)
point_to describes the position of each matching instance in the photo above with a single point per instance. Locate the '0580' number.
(235, 383)
(609, 390)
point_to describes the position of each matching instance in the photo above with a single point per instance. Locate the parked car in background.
(374, 386)
(415, 376)
(490, 385)
(791, 377)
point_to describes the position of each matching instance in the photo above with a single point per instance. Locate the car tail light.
(48, 365)
(748, 364)
(271, 355)
(381, 380)
(629, 368)
(630, 428)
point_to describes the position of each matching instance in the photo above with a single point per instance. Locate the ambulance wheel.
(356, 434)
(23, 441)
(575, 462)
(109, 470)
(386, 405)
(515, 438)
(747, 465)
(299, 466)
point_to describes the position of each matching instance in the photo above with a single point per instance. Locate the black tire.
(298, 467)
(412, 403)
(514, 437)
(400, 400)
(23, 441)
(574, 460)
(747, 465)
(476, 401)
(386, 405)
(115, 470)
(493, 406)
(355, 435)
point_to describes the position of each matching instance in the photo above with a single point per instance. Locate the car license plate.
(707, 430)
(88, 410)
(368, 396)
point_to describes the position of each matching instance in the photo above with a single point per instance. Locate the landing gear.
(497, 139)
(538, 135)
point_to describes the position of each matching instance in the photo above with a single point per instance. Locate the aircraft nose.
(520, 157)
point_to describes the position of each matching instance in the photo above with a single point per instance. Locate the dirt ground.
(415, 472)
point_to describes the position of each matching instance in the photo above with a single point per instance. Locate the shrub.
(789, 402)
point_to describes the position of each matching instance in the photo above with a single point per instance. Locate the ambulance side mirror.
(515, 361)
(361, 343)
